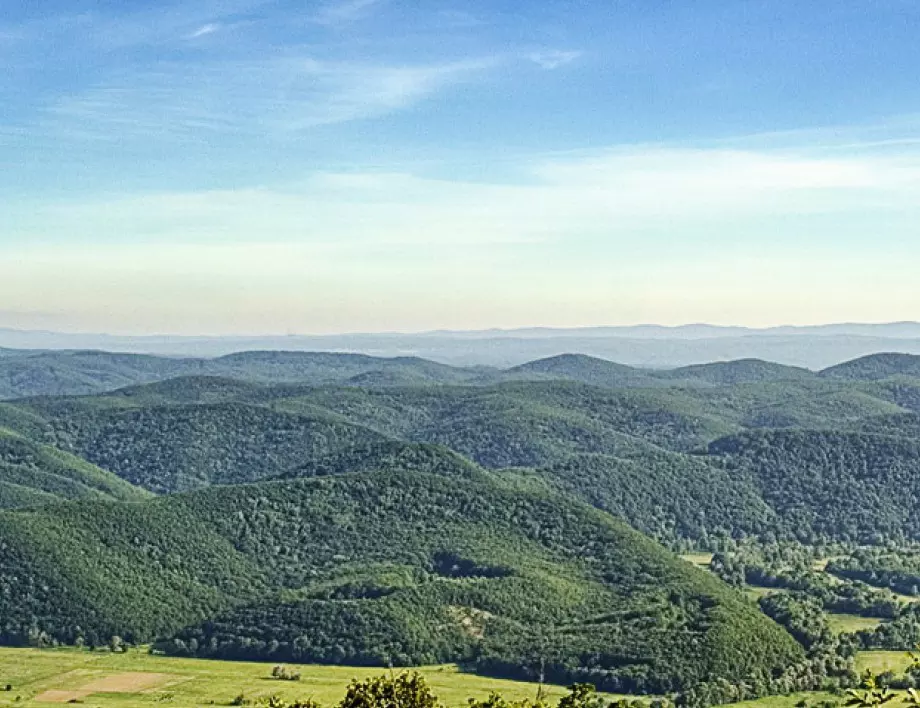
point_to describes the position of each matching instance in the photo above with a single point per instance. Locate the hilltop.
(876, 367)
(25, 373)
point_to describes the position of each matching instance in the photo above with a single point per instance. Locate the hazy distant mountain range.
(654, 346)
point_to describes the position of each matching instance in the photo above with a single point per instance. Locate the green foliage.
(870, 694)
(730, 373)
(803, 617)
(406, 690)
(181, 447)
(585, 369)
(495, 575)
(875, 367)
(52, 373)
(581, 695)
(898, 569)
(282, 673)
(831, 485)
(32, 474)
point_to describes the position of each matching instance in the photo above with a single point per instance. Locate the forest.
(523, 523)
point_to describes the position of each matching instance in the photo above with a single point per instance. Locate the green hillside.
(377, 567)
(32, 473)
(664, 494)
(875, 367)
(53, 373)
(850, 486)
(649, 456)
(89, 570)
(179, 447)
(412, 457)
(585, 369)
(728, 373)
(323, 367)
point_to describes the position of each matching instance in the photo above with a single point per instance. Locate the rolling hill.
(180, 447)
(380, 567)
(55, 373)
(655, 457)
(585, 369)
(728, 373)
(875, 367)
(827, 484)
(346, 509)
(33, 474)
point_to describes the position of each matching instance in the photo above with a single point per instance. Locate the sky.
(280, 166)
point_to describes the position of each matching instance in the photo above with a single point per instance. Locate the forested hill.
(348, 509)
(675, 461)
(378, 567)
(876, 367)
(25, 373)
(43, 373)
(33, 474)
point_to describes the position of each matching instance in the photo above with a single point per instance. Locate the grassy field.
(104, 680)
(787, 701)
(842, 623)
(700, 559)
(880, 661)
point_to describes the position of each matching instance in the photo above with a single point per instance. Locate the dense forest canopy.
(346, 509)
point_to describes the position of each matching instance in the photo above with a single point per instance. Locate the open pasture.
(135, 679)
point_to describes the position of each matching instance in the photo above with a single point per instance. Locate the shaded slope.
(389, 455)
(32, 473)
(850, 486)
(528, 423)
(666, 495)
(180, 447)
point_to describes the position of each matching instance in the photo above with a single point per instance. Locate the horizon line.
(482, 331)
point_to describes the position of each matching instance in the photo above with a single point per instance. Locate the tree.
(870, 695)
(407, 690)
(581, 695)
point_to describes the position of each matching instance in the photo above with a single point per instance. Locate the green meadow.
(136, 678)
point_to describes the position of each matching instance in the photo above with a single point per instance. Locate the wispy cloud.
(204, 30)
(656, 228)
(345, 11)
(284, 95)
(553, 58)
(609, 194)
(150, 25)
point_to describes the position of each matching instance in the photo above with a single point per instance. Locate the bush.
(282, 674)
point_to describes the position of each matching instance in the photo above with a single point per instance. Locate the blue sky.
(259, 166)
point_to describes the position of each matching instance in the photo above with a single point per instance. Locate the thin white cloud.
(153, 24)
(670, 233)
(610, 195)
(204, 30)
(253, 97)
(553, 58)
